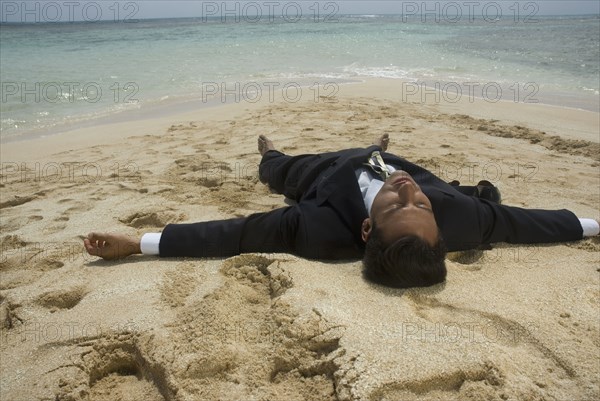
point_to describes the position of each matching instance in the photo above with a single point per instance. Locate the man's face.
(400, 209)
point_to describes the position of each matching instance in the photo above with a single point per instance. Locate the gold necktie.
(378, 165)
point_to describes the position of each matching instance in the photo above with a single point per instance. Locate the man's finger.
(91, 247)
(97, 236)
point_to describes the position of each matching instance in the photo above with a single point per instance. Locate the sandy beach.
(511, 323)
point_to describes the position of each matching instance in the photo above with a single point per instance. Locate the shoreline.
(180, 104)
(389, 88)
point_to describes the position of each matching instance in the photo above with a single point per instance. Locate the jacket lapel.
(338, 187)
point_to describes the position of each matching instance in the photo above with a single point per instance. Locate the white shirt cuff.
(590, 227)
(149, 243)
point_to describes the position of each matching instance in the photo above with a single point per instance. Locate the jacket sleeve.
(526, 226)
(273, 231)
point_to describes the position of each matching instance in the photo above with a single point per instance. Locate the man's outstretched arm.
(271, 232)
(274, 231)
(524, 226)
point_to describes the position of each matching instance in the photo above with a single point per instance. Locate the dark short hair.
(408, 262)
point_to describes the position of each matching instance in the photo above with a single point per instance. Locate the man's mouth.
(401, 181)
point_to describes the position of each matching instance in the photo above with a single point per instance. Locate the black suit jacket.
(326, 221)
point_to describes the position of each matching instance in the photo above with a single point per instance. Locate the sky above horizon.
(254, 11)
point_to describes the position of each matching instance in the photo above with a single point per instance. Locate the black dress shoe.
(486, 190)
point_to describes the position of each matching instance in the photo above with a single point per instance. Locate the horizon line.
(271, 17)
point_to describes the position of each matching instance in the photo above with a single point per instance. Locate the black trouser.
(288, 175)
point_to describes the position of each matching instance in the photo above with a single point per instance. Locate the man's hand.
(111, 246)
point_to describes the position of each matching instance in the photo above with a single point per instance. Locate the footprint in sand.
(179, 283)
(151, 219)
(65, 200)
(9, 316)
(62, 299)
(16, 200)
(13, 252)
(116, 368)
(79, 207)
(56, 227)
(27, 262)
(471, 383)
(12, 241)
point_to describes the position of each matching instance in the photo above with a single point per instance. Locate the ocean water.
(60, 75)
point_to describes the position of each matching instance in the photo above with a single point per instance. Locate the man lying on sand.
(359, 203)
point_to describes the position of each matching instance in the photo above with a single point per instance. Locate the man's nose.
(407, 192)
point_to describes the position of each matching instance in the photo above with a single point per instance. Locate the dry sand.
(512, 323)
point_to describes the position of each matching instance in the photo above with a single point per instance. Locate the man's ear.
(366, 228)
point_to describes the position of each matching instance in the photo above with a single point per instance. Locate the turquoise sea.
(60, 75)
